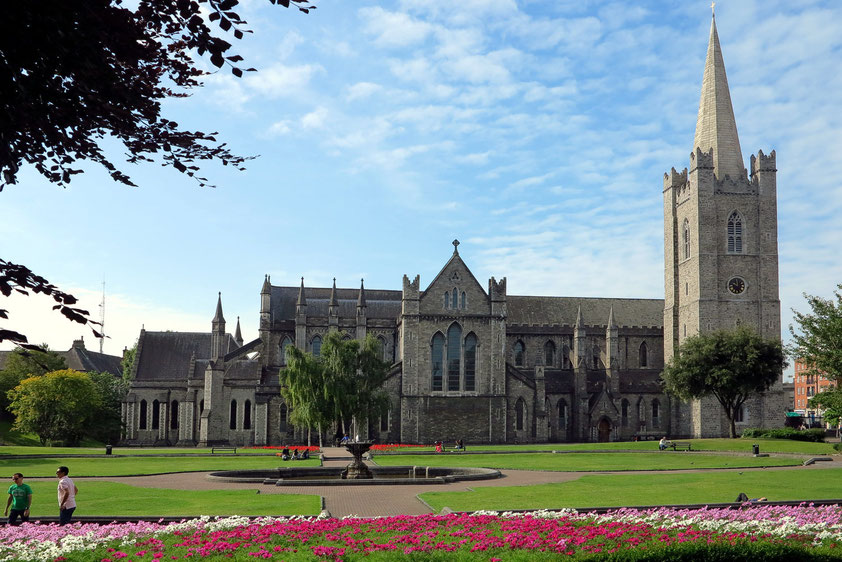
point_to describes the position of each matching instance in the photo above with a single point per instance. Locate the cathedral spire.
(716, 127)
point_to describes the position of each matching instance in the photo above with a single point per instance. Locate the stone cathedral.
(470, 361)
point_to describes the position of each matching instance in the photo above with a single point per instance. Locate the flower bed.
(396, 446)
(764, 532)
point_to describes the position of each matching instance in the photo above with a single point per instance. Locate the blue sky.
(535, 132)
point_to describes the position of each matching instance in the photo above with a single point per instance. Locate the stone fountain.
(357, 470)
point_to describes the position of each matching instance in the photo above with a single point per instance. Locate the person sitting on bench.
(663, 443)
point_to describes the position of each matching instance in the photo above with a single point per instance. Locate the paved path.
(402, 499)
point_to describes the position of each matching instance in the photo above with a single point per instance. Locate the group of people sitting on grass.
(295, 455)
(459, 445)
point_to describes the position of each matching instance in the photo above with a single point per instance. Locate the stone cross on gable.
(712, 6)
(456, 246)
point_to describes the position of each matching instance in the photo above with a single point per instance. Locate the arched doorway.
(604, 430)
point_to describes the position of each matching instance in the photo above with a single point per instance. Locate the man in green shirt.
(20, 498)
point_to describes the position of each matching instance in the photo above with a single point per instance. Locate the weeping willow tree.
(345, 382)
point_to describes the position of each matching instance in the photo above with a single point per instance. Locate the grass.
(605, 490)
(128, 466)
(113, 499)
(587, 462)
(128, 451)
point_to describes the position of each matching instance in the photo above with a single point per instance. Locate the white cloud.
(393, 29)
(315, 119)
(362, 90)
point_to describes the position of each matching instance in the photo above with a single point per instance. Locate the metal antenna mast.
(102, 318)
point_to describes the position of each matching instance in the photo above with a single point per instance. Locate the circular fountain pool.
(332, 476)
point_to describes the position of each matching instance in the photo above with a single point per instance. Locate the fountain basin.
(332, 476)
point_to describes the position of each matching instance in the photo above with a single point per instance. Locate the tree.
(344, 382)
(127, 362)
(75, 75)
(830, 401)
(25, 363)
(729, 364)
(818, 340)
(109, 423)
(58, 407)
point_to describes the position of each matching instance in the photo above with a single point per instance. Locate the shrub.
(812, 435)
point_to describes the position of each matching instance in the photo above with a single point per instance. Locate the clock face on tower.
(736, 285)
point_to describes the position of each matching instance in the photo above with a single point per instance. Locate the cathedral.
(469, 361)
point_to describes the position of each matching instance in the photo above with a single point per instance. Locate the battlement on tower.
(763, 163)
(701, 160)
(675, 179)
(411, 288)
(497, 289)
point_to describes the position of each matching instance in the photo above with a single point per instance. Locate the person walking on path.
(20, 499)
(67, 491)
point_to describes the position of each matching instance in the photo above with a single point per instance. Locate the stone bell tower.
(720, 243)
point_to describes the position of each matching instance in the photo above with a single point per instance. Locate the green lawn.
(114, 499)
(735, 445)
(575, 462)
(606, 490)
(126, 466)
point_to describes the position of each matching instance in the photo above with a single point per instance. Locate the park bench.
(215, 450)
(679, 446)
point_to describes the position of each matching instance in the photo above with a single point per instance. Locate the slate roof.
(640, 381)
(166, 355)
(379, 303)
(595, 311)
(558, 381)
(81, 359)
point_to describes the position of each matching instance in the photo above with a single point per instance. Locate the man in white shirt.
(67, 491)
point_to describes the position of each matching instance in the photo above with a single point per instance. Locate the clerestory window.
(686, 240)
(519, 354)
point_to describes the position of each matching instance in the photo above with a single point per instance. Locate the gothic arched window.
(437, 360)
(735, 233)
(644, 355)
(447, 299)
(174, 415)
(285, 345)
(519, 353)
(142, 420)
(470, 362)
(624, 412)
(283, 414)
(562, 414)
(520, 414)
(596, 360)
(381, 347)
(686, 239)
(549, 353)
(455, 298)
(464, 303)
(156, 414)
(316, 346)
(454, 356)
(232, 419)
(247, 415)
(656, 411)
(565, 357)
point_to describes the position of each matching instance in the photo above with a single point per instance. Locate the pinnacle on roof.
(580, 323)
(238, 336)
(333, 301)
(267, 286)
(361, 298)
(716, 127)
(611, 323)
(218, 316)
(301, 300)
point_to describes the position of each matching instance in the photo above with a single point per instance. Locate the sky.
(535, 132)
